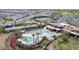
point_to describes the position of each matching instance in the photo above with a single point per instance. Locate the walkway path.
(50, 46)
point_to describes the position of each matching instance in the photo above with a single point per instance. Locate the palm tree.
(44, 38)
(33, 38)
(37, 37)
(54, 37)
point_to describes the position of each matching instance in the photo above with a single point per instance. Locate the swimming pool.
(41, 32)
(28, 39)
(33, 40)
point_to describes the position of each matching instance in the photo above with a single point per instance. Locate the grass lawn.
(71, 45)
(6, 43)
(3, 37)
(3, 40)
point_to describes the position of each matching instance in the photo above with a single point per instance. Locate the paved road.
(51, 47)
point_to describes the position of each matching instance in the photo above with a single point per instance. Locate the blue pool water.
(42, 32)
(28, 39)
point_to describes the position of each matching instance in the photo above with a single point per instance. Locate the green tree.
(54, 37)
(18, 32)
(2, 29)
(44, 38)
(64, 38)
(38, 36)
